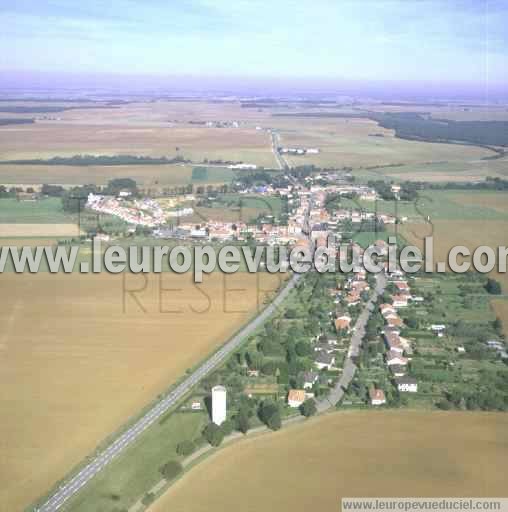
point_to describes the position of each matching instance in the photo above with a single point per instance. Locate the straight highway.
(74, 484)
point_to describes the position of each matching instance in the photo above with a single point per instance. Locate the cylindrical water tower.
(218, 404)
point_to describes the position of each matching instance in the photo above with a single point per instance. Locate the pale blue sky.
(443, 40)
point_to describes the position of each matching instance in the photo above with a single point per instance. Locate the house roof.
(376, 394)
(390, 356)
(296, 395)
(397, 321)
(325, 358)
(310, 376)
(342, 323)
(393, 340)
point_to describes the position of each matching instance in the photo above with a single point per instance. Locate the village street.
(349, 369)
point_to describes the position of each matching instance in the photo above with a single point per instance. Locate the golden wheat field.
(449, 233)
(79, 356)
(370, 453)
(35, 230)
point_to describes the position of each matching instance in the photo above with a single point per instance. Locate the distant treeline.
(46, 100)
(24, 109)
(419, 126)
(337, 115)
(5, 122)
(494, 184)
(416, 127)
(85, 160)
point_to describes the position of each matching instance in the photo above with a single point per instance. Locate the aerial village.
(309, 222)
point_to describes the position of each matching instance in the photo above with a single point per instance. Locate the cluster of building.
(141, 212)
(399, 350)
(298, 151)
(499, 347)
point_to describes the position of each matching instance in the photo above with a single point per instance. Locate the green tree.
(308, 408)
(269, 414)
(493, 287)
(185, 447)
(213, 434)
(227, 428)
(171, 469)
(242, 422)
(303, 348)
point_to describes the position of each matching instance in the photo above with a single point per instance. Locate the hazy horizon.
(52, 84)
(430, 48)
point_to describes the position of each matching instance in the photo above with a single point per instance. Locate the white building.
(218, 405)
(407, 384)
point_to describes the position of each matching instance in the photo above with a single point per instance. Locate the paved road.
(281, 161)
(73, 485)
(349, 369)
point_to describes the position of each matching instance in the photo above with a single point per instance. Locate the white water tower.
(218, 405)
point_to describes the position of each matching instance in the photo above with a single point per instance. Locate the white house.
(407, 384)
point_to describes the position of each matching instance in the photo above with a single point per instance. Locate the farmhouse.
(402, 286)
(377, 396)
(386, 309)
(296, 397)
(309, 379)
(397, 370)
(393, 343)
(399, 301)
(438, 329)
(407, 384)
(393, 329)
(324, 361)
(394, 321)
(325, 347)
(342, 322)
(353, 299)
(395, 358)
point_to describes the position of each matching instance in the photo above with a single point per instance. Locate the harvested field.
(490, 200)
(447, 170)
(27, 242)
(38, 230)
(197, 143)
(361, 143)
(471, 233)
(448, 233)
(372, 453)
(145, 175)
(79, 356)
